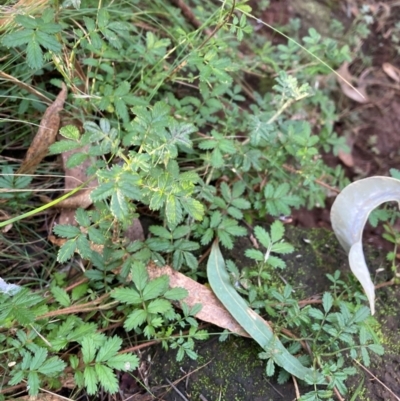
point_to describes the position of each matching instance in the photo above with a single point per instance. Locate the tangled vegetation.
(163, 113)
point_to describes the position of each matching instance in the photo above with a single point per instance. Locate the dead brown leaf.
(73, 178)
(212, 311)
(358, 93)
(391, 71)
(45, 136)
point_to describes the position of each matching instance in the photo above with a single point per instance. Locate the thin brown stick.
(383, 384)
(188, 14)
(296, 388)
(25, 86)
(88, 307)
(319, 182)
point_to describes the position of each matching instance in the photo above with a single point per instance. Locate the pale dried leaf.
(358, 94)
(346, 158)
(73, 178)
(45, 136)
(56, 241)
(5, 216)
(391, 71)
(212, 311)
(80, 199)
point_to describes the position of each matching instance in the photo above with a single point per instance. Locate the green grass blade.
(255, 326)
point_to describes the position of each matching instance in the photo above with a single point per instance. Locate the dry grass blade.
(28, 7)
(45, 136)
(23, 85)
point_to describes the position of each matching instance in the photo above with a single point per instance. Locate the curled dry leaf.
(45, 136)
(358, 94)
(212, 311)
(391, 71)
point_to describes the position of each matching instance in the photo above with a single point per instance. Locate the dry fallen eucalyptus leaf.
(358, 94)
(45, 136)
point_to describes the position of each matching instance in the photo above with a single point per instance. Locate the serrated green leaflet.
(255, 326)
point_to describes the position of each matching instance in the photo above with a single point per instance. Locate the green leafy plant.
(164, 117)
(36, 33)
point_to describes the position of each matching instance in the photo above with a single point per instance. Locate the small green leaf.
(262, 236)
(63, 146)
(49, 42)
(96, 236)
(155, 288)
(33, 383)
(327, 301)
(66, 231)
(109, 349)
(18, 38)
(76, 159)
(90, 378)
(107, 378)
(83, 247)
(66, 251)
(361, 314)
(282, 248)
(254, 254)
(38, 359)
(127, 295)
(277, 231)
(61, 296)
(140, 275)
(103, 191)
(119, 205)
(176, 294)
(70, 132)
(135, 319)
(316, 313)
(159, 306)
(34, 54)
(160, 232)
(125, 362)
(82, 217)
(88, 349)
(17, 378)
(377, 348)
(52, 366)
(270, 368)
